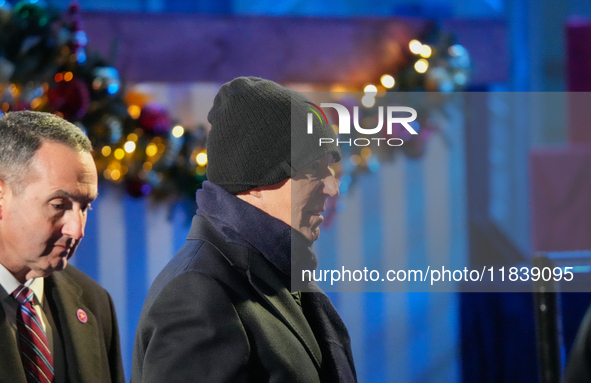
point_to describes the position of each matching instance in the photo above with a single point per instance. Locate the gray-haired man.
(55, 326)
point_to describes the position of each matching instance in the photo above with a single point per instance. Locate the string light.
(421, 66)
(58, 77)
(426, 51)
(200, 170)
(129, 146)
(68, 76)
(134, 111)
(201, 159)
(178, 131)
(387, 81)
(119, 154)
(371, 89)
(132, 137)
(106, 151)
(368, 101)
(115, 174)
(151, 150)
(415, 46)
(35, 103)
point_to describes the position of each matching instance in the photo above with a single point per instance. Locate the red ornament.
(154, 118)
(71, 98)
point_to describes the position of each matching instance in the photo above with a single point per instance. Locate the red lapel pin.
(82, 317)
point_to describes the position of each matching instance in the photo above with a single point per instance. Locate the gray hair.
(22, 134)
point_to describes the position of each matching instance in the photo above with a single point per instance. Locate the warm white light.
(388, 81)
(201, 159)
(421, 66)
(178, 131)
(371, 90)
(368, 101)
(129, 146)
(426, 51)
(415, 46)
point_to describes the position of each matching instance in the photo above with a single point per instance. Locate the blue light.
(2, 3)
(33, 1)
(113, 88)
(345, 183)
(81, 57)
(374, 165)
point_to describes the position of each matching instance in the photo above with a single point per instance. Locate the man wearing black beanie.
(224, 309)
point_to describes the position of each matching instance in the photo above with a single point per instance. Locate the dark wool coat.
(221, 310)
(92, 350)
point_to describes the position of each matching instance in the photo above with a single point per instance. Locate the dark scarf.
(243, 224)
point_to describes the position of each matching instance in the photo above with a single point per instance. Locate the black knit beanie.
(259, 136)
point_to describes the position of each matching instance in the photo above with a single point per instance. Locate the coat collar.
(243, 224)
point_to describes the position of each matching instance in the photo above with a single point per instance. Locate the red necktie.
(34, 347)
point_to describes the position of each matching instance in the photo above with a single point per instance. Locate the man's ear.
(256, 193)
(252, 196)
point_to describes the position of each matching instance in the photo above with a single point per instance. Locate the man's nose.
(74, 224)
(331, 186)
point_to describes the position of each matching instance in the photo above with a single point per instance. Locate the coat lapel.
(80, 340)
(273, 291)
(11, 369)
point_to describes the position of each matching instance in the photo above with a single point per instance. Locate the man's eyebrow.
(78, 198)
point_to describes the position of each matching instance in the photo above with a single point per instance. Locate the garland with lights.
(437, 64)
(44, 66)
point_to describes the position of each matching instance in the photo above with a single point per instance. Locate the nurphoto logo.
(394, 115)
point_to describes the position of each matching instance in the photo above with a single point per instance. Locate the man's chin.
(58, 265)
(311, 234)
(61, 264)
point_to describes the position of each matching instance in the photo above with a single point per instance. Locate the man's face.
(310, 189)
(41, 227)
(300, 200)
